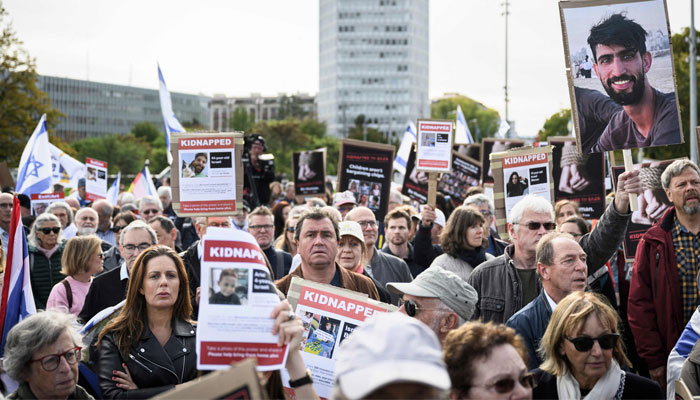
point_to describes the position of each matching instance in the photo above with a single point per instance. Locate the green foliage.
(556, 125)
(291, 107)
(146, 131)
(483, 122)
(193, 125)
(373, 135)
(21, 102)
(124, 153)
(240, 120)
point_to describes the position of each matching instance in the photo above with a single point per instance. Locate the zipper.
(165, 368)
(140, 363)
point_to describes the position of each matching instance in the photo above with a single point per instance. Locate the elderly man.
(381, 266)
(165, 231)
(5, 218)
(80, 195)
(261, 224)
(437, 298)
(484, 205)
(507, 283)
(316, 237)
(398, 230)
(663, 289)
(104, 212)
(165, 195)
(62, 210)
(86, 220)
(149, 207)
(109, 288)
(561, 266)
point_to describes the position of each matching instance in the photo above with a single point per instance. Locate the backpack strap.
(69, 293)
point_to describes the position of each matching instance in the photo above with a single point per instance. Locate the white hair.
(532, 203)
(151, 200)
(126, 198)
(479, 199)
(165, 190)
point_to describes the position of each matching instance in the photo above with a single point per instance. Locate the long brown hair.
(453, 238)
(128, 326)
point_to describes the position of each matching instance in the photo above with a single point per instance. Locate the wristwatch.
(304, 380)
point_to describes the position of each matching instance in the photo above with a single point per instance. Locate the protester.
(150, 347)
(165, 231)
(383, 267)
(286, 242)
(351, 252)
(438, 298)
(398, 230)
(275, 193)
(149, 207)
(574, 226)
(507, 283)
(564, 209)
(80, 195)
(113, 258)
(42, 354)
(258, 172)
(484, 205)
(6, 200)
(424, 250)
(487, 361)
(45, 248)
(109, 288)
(261, 226)
(280, 212)
(395, 200)
(344, 202)
(240, 218)
(81, 260)
(316, 236)
(391, 356)
(583, 356)
(663, 289)
(463, 242)
(62, 210)
(165, 195)
(104, 213)
(86, 220)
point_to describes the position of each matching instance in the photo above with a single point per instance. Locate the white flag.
(462, 136)
(66, 169)
(503, 129)
(35, 173)
(409, 137)
(113, 191)
(169, 119)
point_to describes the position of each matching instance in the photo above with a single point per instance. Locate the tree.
(146, 131)
(157, 154)
(482, 121)
(21, 102)
(241, 120)
(556, 125)
(290, 107)
(124, 153)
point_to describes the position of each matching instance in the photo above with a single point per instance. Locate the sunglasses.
(534, 226)
(585, 343)
(117, 229)
(46, 231)
(412, 308)
(506, 385)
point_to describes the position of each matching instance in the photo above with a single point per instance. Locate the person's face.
(622, 71)
(368, 222)
(568, 270)
(435, 232)
(684, 191)
(95, 264)
(427, 311)
(227, 284)
(572, 229)
(262, 228)
(256, 149)
(317, 244)
(5, 208)
(219, 222)
(291, 227)
(565, 212)
(119, 225)
(290, 192)
(475, 235)
(199, 163)
(497, 371)
(135, 241)
(59, 383)
(397, 231)
(161, 283)
(48, 240)
(165, 199)
(239, 218)
(164, 238)
(86, 218)
(484, 210)
(345, 208)
(285, 212)
(81, 192)
(149, 211)
(349, 252)
(588, 366)
(104, 218)
(526, 239)
(514, 179)
(59, 212)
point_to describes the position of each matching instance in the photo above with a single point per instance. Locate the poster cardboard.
(465, 174)
(41, 201)
(364, 168)
(472, 150)
(434, 145)
(605, 92)
(309, 169)
(415, 183)
(95, 179)
(214, 187)
(493, 145)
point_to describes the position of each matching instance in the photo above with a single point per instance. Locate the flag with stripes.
(169, 119)
(409, 137)
(462, 133)
(143, 185)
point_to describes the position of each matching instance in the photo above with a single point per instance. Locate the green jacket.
(23, 392)
(45, 273)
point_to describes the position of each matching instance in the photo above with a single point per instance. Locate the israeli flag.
(503, 128)
(35, 169)
(169, 119)
(409, 137)
(113, 191)
(66, 169)
(463, 136)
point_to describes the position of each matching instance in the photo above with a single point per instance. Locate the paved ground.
(660, 75)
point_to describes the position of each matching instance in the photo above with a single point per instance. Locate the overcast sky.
(271, 46)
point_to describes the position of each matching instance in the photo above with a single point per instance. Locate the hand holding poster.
(205, 179)
(309, 168)
(237, 298)
(95, 179)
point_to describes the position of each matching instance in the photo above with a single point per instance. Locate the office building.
(260, 108)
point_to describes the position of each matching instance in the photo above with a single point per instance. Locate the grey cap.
(439, 283)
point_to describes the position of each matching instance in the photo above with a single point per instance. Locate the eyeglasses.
(291, 229)
(585, 343)
(153, 211)
(506, 385)
(486, 213)
(364, 224)
(412, 308)
(46, 231)
(260, 227)
(140, 247)
(5, 205)
(52, 361)
(534, 226)
(117, 229)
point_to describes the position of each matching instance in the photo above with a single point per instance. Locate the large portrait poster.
(204, 177)
(653, 203)
(490, 145)
(309, 168)
(620, 72)
(365, 169)
(415, 183)
(465, 174)
(41, 201)
(237, 298)
(95, 179)
(578, 177)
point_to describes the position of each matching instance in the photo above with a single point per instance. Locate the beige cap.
(351, 228)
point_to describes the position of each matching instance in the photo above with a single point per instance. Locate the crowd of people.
(553, 312)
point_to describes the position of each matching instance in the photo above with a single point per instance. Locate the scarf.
(473, 257)
(609, 386)
(48, 253)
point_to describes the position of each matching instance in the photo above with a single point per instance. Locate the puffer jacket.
(154, 368)
(45, 273)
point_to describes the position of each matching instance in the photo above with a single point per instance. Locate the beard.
(626, 98)
(691, 210)
(86, 231)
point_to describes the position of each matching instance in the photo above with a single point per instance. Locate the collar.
(123, 271)
(551, 302)
(677, 223)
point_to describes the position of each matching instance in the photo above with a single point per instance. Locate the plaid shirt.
(687, 246)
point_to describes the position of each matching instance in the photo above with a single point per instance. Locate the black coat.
(105, 291)
(636, 387)
(190, 258)
(154, 368)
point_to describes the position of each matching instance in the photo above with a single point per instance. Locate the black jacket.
(154, 368)
(113, 259)
(105, 291)
(190, 258)
(424, 251)
(636, 387)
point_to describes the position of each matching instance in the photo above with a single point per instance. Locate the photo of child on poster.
(578, 177)
(465, 174)
(621, 74)
(229, 286)
(321, 336)
(489, 146)
(309, 172)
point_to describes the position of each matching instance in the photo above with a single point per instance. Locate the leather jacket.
(154, 368)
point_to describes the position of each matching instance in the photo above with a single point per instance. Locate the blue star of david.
(35, 165)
